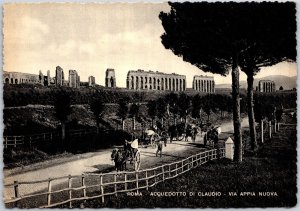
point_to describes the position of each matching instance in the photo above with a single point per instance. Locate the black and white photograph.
(149, 105)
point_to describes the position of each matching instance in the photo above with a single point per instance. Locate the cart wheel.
(137, 161)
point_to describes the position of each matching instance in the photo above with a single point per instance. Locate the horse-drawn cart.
(130, 153)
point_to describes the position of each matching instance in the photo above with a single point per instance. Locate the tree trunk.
(270, 129)
(133, 122)
(262, 131)
(97, 128)
(238, 157)
(123, 125)
(250, 104)
(63, 131)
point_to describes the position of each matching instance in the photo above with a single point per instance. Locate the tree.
(62, 106)
(184, 103)
(215, 37)
(122, 110)
(270, 39)
(172, 104)
(197, 106)
(152, 110)
(134, 113)
(161, 109)
(97, 107)
(208, 106)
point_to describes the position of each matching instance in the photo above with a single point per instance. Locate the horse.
(211, 136)
(119, 157)
(191, 131)
(175, 131)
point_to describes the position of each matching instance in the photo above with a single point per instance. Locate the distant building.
(92, 81)
(74, 80)
(110, 78)
(266, 86)
(149, 80)
(204, 83)
(59, 76)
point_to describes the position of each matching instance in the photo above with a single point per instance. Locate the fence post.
(154, 176)
(49, 192)
(51, 136)
(181, 166)
(125, 180)
(101, 188)
(176, 169)
(169, 170)
(83, 185)
(70, 191)
(15, 141)
(147, 182)
(16, 189)
(6, 142)
(115, 180)
(163, 172)
(137, 181)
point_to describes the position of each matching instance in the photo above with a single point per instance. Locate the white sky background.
(93, 37)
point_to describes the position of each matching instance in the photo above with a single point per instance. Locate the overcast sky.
(93, 37)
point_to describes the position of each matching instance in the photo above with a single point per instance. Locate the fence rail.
(90, 186)
(29, 140)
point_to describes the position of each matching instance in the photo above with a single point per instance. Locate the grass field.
(264, 179)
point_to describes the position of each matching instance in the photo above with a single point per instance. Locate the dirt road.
(100, 161)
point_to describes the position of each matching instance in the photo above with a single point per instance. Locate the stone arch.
(11, 80)
(176, 84)
(158, 84)
(183, 85)
(154, 83)
(7, 80)
(174, 87)
(166, 83)
(137, 82)
(16, 81)
(132, 82)
(162, 83)
(170, 84)
(142, 83)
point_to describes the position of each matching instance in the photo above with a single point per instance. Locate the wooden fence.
(65, 190)
(30, 140)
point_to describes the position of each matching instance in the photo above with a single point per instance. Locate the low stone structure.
(204, 83)
(266, 86)
(150, 80)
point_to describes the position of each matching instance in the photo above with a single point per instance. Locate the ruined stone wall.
(110, 78)
(149, 80)
(266, 86)
(204, 84)
(19, 78)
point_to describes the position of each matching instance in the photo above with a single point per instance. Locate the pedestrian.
(159, 147)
